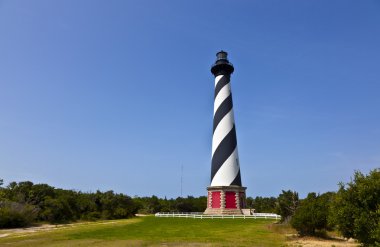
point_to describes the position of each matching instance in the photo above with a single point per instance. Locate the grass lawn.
(151, 231)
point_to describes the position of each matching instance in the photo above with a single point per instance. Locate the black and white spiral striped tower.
(225, 194)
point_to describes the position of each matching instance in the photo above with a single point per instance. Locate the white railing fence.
(199, 215)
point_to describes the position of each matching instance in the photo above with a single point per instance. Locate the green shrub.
(13, 214)
(356, 210)
(311, 217)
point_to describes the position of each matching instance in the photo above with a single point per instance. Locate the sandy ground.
(319, 242)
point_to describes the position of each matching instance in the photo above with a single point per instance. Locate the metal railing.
(198, 215)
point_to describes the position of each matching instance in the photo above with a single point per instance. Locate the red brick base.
(225, 200)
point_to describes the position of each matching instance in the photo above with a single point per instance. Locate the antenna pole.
(181, 178)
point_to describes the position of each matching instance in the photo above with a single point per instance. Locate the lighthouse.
(225, 193)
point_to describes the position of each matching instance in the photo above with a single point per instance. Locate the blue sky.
(119, 95)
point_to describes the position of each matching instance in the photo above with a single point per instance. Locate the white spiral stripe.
(217, 79)
(222, 95)
(224, 127)
(227, 172)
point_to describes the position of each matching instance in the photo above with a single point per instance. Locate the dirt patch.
(143, 215)
(294, 241)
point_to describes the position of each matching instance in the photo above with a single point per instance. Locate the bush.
(356, 210)
(13, 214)
(311, 217)
(56, 211)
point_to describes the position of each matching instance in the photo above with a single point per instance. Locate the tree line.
(354, 210)
(24, 203)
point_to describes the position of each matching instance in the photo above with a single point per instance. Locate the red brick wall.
(230, 199)
(215, 201)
